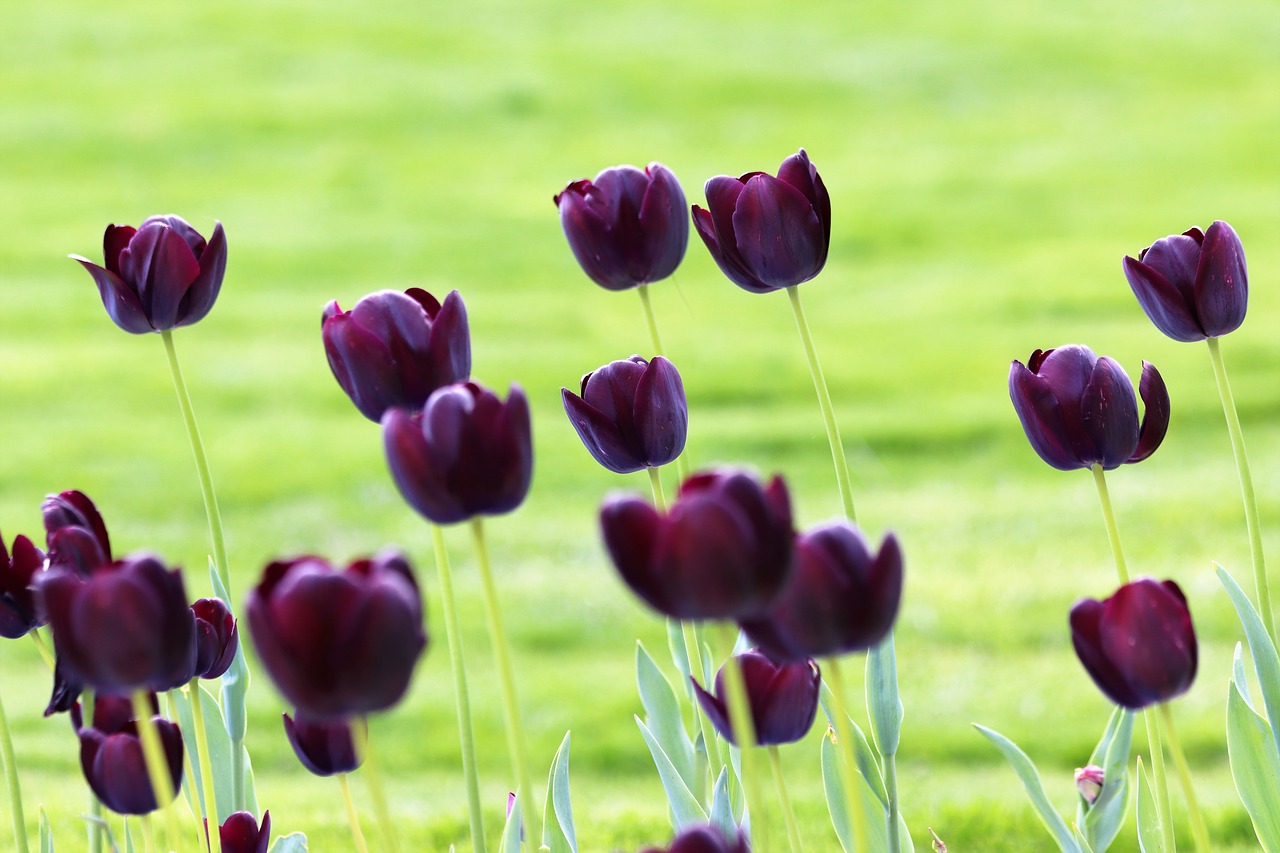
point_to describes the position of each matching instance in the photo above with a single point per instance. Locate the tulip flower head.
(160, 275)
(704, 839)
(1079, 410)
(1089, 782)
(1138, 646)
(722, 551)
(240, 833)
(632, 414)
(111, 755)
(394, 349)
(627, 227)
(1193, 285)
(217, 637)
(326, 747)
(76, 535)
(767, 232)
(783, 699)
(18, 571)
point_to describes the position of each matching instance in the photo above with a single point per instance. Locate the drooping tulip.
(783, 698)
(19, 570)
(326, 747)
(112, 759)
(75, 533)
(1192, 285)
(217, 637)
(631, 414)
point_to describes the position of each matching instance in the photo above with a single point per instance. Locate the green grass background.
(989, 164)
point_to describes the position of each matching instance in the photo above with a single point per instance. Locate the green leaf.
(1266, 662)
(219, 753)
(838, 803)
(235, 681)
(884, 705)
(868, 763)
(558, 835)
(1026, 771)
(722, 805)
(1103, 820)
(1240, 678)
(1150, 839)
(46, 833)
(510, 842)
(293, 843)
(685, 809)
(664, 718)
(1255, 766)
(679, 656)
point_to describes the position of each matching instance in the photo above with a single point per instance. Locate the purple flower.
(627, 227)
(76, 535)
(841, 597)
(1089, 782)
(217, 637)
(723, 551)
(704, 839)
(326, 747)
(466, 453)
(1138, 646)
(783, 698)
(1079, 410)
(632, 414)
(240, 833)
(1194, 285)
(394, 349)
(18, 611)
(160, 275)
(111, 755)
(338, 642)
(768, 233)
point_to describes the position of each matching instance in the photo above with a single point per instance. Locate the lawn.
(989, 163)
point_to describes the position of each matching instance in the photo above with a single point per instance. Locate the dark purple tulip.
(1138, 646)
(783, 698)
(336, 642)
(87, 545)
(1194, 285)
(723, 551)
(160, 275)
(125, 626)
(627, 227)
(66, 690)
(393, 349)
(632, 414)
(704, 839)
(768, 233)
(841, 598)
(326, 748)
(18, 611)
(112, 759)
(466, 453)
(240, 833)
(217, 637)
(1079, 410)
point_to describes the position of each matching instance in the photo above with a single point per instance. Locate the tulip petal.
(717, 713)
(1155, 417)
(1222, 281)
(122, 304)
(791, 703)
(631, 530)
(1109, 413)
(716, 227)
(600, 435)
(114, 241)
(359, 359)
(161, 267)
(1168, 307)
(1146, 632)
(800, 173)
(663, 224)
(778, 233)
(1086, 625)
(203, 291)
(661, 414)
(450, 346)
(1042, 418)
(415, 469)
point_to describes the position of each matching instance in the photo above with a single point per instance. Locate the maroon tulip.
(783, 698)
(632, 414)
(240, 833)
(18, 611)
(627, 227)
(338, 643)
(76, 535)
(1138, 646)
(704, 839)
(1079, 410)
(326, 747)
(217, 637)
(841, 598)
(393, 349)
(768, 233)
(723, 551)
(125, 626)
(1193, 285)
(160, 275)
(112, 759)
(466, 453)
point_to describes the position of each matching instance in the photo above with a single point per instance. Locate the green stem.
(157, 765)
(701, 725)
(1199, 832)
(45, 654)
(849, 764)
(824, 403)
(352, 817)
(97, 824)
(682, 468)
(373, 776)
(1246, 488)
(793, 831)
(1156, 744)
(148, 833)
(206, 765)
(891, 791)
(1109, 516)
(202, 464)
(501, 650)
(655, 483)
(462, 698)
(15, 789)
(743, 726)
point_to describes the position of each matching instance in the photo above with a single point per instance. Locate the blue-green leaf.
(884, 705)
(558, 834)
(1026, 771)
(679, 654)
(838, 803)
(295, 842)
(685, 809)
(1265, 660)
(722, 805)
(219, 752)
(664, 718)
(1150, 839)
(510, 842)
(1103, 820)
(46, 833)
(1255, 766)
(1240, 678)
(868, 764)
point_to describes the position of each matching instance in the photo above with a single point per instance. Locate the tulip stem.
(462, 699)
(1109, 516)
(1165, 809)
(195, 694)
(501, 651)
(373, 777)
(682, 469)
(15, 789)
(701, 726)
(148, 833)
(1246, 487)
(788, 814)
(849, 762)
(96, 825)
(1199, 832)
(157, 764)
(824, 403)
(352, 817)
(743, 726)
(43, 647)
(655, 482)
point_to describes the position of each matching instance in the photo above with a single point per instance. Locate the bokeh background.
(989, 164)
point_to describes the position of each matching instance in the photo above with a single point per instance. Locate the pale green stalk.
(157, 765)
(655, 483)
(689, 630)
(1109, 516)
(352, 817)
(148, 833)
(373, 776)
(788, 815)
(96, 825)
(45, 654)
(682, 468)
(1199, 832)
(206, 765)
(849, 763)
(15, 789)
(743, 726)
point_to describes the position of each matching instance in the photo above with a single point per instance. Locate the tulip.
(627, 227)
(466, 453)
(76, 535)
(111, 755)
(217, 637)
(632, 414)
(326, 747)
(723, 551)
(160, 275)
(18, 611)
(1079, 410)
(841, 598)
(66, 690)
(394, 349)
(783, 698)
(240, 833)
(1089, 782)
(336, 642)
(1138, 646)
(125, 626)
(704, 839)
(1193, 285)
(768, 233)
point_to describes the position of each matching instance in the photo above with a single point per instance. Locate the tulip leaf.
(663, 716)
(295, 842)
(838, 802)
(685, 809)
(513, 829)
(46, 833)
(722, 805)
(1266, 662)
(868, 764)
(219, 753)
(1081, 840)
(884, 705)
(679, 655)
(1150, 839)
(128, 838)
(1102, 820)
(558, 836)
(1240, 678)
(1026, 770)
(1255, 766)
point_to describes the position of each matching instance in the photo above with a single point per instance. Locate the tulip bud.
(217, 637)
(160, 275)
(326, 747)
(240, 833)
(783, 699)
(112, 759)
(1089, 780)
(632, 414)
(18, 611)
(704, 839)
(1193, 285)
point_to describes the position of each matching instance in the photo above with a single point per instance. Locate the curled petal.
(1155, 418)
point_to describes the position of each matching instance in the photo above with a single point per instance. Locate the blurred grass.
(989, 164)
